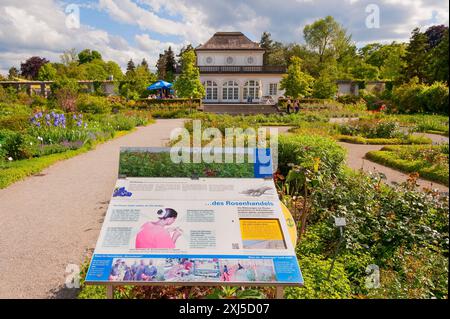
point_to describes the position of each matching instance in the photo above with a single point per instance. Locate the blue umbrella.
(160, 85)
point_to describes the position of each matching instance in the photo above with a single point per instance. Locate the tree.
(161, 67)
(435, 34)
(325, 86)
(112, 68)
(364, 71)
(170, 65)
(295, 82)
(95, 70)
(393, 63)
(188, 83)
(68, 57)
(130, 66)
(327, 37)
(13, 73)
(87, 56)
(144, 64)
(47, 73)
(438, 67)
(416, 56)
(266, 43)
(30, 68)
(185, 48)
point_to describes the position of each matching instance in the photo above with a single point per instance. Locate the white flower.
(31, 143)
(10, 158)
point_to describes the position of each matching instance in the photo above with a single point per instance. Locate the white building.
(232, 70)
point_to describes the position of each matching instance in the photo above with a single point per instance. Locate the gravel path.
(50, 220)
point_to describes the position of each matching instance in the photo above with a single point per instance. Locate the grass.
(411, 139)
(430, 162)
(18, 170)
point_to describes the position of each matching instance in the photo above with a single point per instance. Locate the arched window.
(230, 91)
(251, 89)
(211, 90)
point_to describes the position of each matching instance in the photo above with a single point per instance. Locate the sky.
(135, 29)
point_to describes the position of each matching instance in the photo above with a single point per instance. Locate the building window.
(251, 89)
(209, 60)
(273, 88)
(230, 60)
(211, 90)
(230, 91)
(250, 60)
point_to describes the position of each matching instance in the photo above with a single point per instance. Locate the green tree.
(394, 63)
(188, 84)
(95, 70)
(325, 86)
(327, 37)
(266, 43)
(296, 83)
(438, 66)
(416, 56)
(47, 72)
(161, 67)
(13, 73)
(170, 66)
(87, 56)
(112, 68)
(130, 67)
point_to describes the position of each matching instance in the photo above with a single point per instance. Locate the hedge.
(411, 139)
(432, 173)
(172, 103)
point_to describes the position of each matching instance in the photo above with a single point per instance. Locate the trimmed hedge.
(425, 169)
(171, 103)
(411, 139)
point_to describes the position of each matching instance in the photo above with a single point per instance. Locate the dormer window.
(250, 60)
(230, 60)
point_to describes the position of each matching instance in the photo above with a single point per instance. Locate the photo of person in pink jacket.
(157, 234)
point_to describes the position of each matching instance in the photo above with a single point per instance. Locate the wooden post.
(279, 292)
(110, 292)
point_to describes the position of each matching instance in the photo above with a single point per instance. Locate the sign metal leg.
(279, 292)
(109, 292)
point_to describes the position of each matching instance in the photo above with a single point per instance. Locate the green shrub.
(303, 150)
(16, 145)
(421, 98)
(93, 104)
(315, 270)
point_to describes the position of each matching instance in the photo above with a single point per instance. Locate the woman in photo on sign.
(156, 234)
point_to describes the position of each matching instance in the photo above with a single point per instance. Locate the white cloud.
(29, 28)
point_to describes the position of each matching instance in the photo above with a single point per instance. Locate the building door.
(211, 90)
(251, 90)
(230, 92)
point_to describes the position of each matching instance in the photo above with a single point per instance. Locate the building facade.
(232, 70)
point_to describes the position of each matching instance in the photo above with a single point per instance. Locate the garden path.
(52, 219)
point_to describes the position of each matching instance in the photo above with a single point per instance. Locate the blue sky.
(124, 29)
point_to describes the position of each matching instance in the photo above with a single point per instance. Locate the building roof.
(229, 41)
